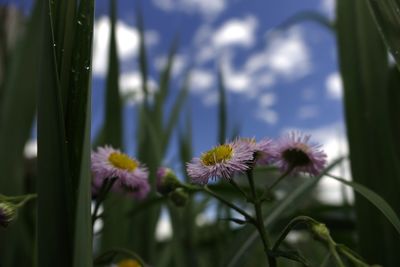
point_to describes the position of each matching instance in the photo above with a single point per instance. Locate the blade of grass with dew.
(374, 163)
(78, 121)
(289, 202)
(375, 199)
(387, 18)
(16, 119)
(55, 212)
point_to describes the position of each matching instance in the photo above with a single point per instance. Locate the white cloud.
(267, 115)
(237, 32)
(127, 43)
(240, 32)
(334, 85)
(201, 80)
(328, 7)
(164, 228)
(267, 100)
(211, 98)
(308, 112)
(131, 87)
(207, 8)
(178, 65)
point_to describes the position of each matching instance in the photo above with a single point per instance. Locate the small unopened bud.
(179, 197)
(8, 212)
(320, 231)
(167, 181)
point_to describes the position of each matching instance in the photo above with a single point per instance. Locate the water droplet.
(79, 22)
(87, 67)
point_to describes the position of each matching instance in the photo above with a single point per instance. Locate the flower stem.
(226, 202)
(260, 221)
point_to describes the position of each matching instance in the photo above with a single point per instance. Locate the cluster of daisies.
(292, 153)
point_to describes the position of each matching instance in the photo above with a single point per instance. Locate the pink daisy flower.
(264, 150)
(296, 154)
(222, 161)
(132, 177)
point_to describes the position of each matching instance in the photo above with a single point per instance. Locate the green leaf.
(175, 112)
(387, 18)
(363, 62)
(17, 110)
(375, 199)
(78, 132)
(142, 56)
(55, 208)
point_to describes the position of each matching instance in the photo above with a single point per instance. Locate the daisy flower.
(132, 177)
(296, 154)
(264, 150)
(221, 161)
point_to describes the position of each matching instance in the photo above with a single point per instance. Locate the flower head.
(264, 150)
(129, 263)
(296, 154)
(8, 212)
(108, 162)
(222, 161)
(166, 181)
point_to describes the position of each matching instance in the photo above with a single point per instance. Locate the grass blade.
(387, 18)
(364, 69)
(375, 199)
(222, 109)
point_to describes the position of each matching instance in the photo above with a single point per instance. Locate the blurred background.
(250, 68)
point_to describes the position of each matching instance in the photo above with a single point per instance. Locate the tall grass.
(52, 61)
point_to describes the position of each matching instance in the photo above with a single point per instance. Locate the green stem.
(25, 199)
(354, 259)
(260, 221)
(293, 223)
(332, 249)
(226, 202)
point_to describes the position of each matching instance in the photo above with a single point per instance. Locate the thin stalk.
(231, 205)
(260, 221)
(279, 179)
(332, 249)
(355, 260)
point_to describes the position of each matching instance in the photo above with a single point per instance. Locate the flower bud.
(320, 231)
(8, 212)
(179, 197)
(129, 263)
(166, 181)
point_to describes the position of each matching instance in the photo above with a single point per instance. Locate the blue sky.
(276, 80)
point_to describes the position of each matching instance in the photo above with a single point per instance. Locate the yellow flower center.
(217, 155)
(129, 263)
(123, 161)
